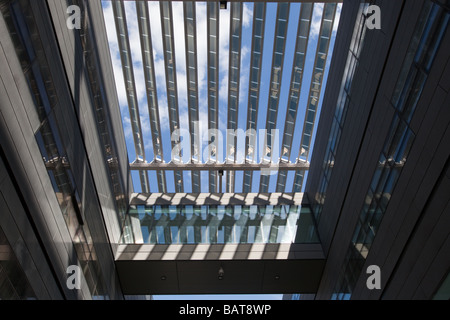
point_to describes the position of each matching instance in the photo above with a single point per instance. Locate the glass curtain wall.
(341, 109)
(219, 224)
(14, 284)
(24, 33)
(419, 58)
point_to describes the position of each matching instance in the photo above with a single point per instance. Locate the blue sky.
(202, 84)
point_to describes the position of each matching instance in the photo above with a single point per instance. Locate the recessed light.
(221, 273)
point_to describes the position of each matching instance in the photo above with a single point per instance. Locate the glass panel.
(222, 224)
(329, 11)
(414, 95)
(14, 284)
(413, 46)
(443, 293)
(326, 27)
(323, 45)
(402, 150)
(397, 140)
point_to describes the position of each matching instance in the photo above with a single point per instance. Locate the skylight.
(188, 71)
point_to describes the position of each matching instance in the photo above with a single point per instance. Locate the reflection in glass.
(14, 284)
(22, 25)
(164, 224)
(407, 93)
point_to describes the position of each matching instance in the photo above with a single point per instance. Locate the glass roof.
(220, 100)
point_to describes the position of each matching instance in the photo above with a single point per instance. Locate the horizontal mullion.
(219, 166)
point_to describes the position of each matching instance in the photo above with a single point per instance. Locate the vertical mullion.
(304, 27)
(213, 80)
(128, 74)
(315, 89)
(259, 13)
(171, 84)
(192, 87)
(275, 86)
(234, 67)
(150, 84)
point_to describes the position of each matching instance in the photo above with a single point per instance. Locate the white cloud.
(224, 34)
(135, 48)
(158, 55)
(178, 30)
(316, 19)
(114, 51)
(133, 31)
(202, 46)
(223, 87)
(247, 15)
(202, 49)
(163, 113)
(155, 25)
(338, 17)
(245, 69)
(203, 128)
(127, 127)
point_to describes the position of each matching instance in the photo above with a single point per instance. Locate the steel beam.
(219, 166)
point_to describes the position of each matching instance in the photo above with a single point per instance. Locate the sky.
(155, 25)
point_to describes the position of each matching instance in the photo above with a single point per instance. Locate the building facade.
(65, 178)
(380, 169)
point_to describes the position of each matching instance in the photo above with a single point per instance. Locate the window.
(223, 224)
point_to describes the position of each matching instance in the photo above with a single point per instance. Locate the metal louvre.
(190, 30)
(234, 74)
(150, 84)
(223, 155)
(213, 87)
(128, 74)
(275, 88)
(171, 87)
(301, 46)
(259, 16)
(326, 29)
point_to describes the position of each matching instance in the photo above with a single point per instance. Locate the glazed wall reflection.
(219, 224)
